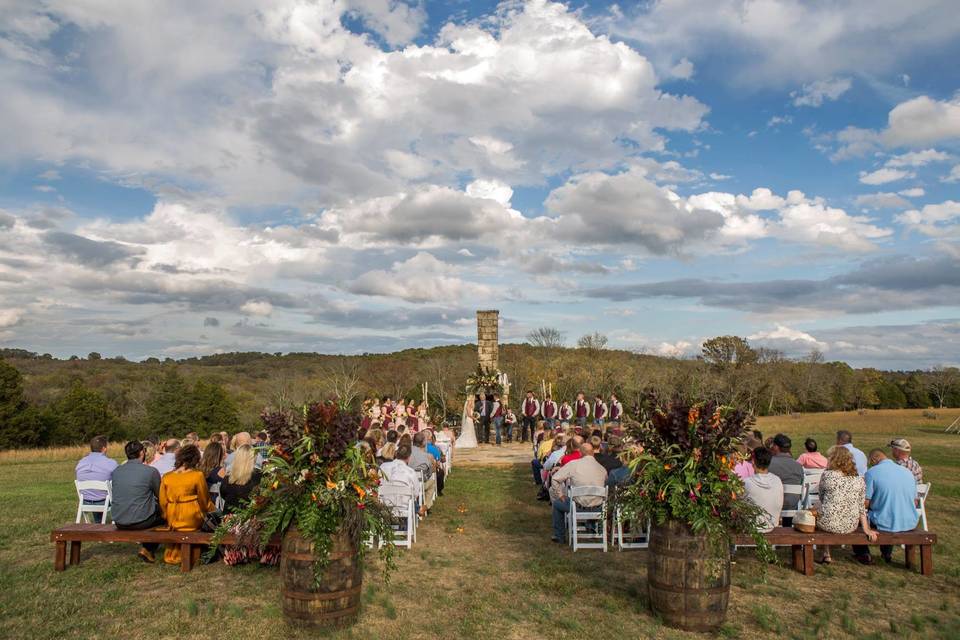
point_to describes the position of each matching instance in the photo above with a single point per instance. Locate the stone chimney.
(488, 339)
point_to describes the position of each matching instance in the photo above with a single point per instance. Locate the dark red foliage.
(332, 429)
(281, 427)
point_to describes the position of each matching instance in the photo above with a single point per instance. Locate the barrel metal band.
(693, 590)
(329, 595)
(309, 556)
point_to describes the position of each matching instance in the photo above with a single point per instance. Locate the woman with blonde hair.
(842, 495)
(388, 452)
(240, 480)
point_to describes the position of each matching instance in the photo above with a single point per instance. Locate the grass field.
(500, 578)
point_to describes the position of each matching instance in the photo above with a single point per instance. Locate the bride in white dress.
(468, 435)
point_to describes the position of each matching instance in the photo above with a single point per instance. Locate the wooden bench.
(75, 534)
(803, 543)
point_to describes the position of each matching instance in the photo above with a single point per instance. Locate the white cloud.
(881, 201)
(816, 93)
(783, 335)
(933, 219)
(257, 308)
(953, 176)
(719, 176)
(776, 121)
(885, 175)
(677, 349)
(10, 317)
(923, 120)
(682, 70)
(422, 278)
(917, 158)
(913, 192)
(767, 42)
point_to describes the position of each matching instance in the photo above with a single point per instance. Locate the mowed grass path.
(500, 578)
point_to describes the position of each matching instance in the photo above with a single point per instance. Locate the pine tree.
(213, 409)
(20, 424)
(170, 407)
(82, 413)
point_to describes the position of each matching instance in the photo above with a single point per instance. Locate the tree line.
(50, 401)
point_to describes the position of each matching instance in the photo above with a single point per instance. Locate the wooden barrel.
(335, 601)
(689, 585)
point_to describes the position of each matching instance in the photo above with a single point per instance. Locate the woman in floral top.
(842, 494)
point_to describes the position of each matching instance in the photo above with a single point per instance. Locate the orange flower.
(331, 485)
(733, 495)
(360, 492)
(276, 483)
(694, 415)
(699, 486)
(313, 497)
(667, 467)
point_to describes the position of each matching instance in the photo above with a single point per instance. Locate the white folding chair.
(84, 509)
(639, 535)
(423, 480)
(401, 499)
(811, 488)
(445, 449)
(214, 489)
(923, 490)
(792, 490)
(578, 519)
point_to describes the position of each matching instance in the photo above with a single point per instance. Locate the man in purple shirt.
(96, 466)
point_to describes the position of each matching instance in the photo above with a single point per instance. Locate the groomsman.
(616, 410)
(497, 413)
(510, 421)
(529, 413)
(581, 410)
(566, 412)
(599, 411)
(550, 412)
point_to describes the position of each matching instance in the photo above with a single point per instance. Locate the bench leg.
(60, 557)
(186, 557)
(75, 552)
(798, 558)
(910, 555)
(808, 559)
(926, 559)
(195, 558)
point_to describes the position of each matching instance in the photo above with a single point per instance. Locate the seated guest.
(891, 493)
(215, 437)
(388, 452)
(399, 470)
(559, 450)
(606, 453)
(811, 459)
(744, 467)
(900, 449)
(262, 445)
(211, 466)
(584, 471)
(573, 452)
(845, 439)
(788, 470)
(765, 490)
(842, 494)
(241, 480)
(149, 452)
(136, 491)
(184, 498)
(96, 466)
(422, 461)
(236, 442)
(168, 457)
(434, 450)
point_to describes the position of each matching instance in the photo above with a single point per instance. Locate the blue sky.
(361, 175)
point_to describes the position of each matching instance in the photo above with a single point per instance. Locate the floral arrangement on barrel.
(684, 471)
(318, 480)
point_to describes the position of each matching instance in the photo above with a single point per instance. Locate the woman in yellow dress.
(184, 497)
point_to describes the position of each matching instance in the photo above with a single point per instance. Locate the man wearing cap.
(788, 470)
(900, 449)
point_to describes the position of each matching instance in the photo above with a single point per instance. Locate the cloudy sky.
(182, 178)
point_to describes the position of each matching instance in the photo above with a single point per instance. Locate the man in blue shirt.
(845, 439)
(891, 506)
(96, 466)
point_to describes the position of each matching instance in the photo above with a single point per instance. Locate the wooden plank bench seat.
(190, 541)
(803, 543)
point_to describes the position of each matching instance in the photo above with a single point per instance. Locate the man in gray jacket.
(136, 490)
(789, 471)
